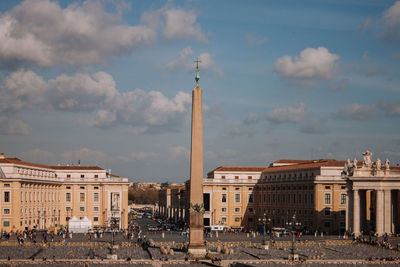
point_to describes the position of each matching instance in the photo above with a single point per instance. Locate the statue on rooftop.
(378, 164)
(355, 161)
(367, 159)
(387, 164)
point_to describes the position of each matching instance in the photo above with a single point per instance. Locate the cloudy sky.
(109, 82)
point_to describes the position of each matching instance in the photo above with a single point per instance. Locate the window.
(95, 219)
(223, 198)
(327, 198)
(327, 224)
(250, 177)
(96, 187)
(327, 212)
(223, 220)
(82, 176)
(6, 223)
(250, 198)
(223, 188)
(6, 185)
(223, 177)
(82, 197)
(68, 197)
(6, 196)
(223, 209)
(68, 187)
(237, 219)
(67, 209)
(312, 198)
(95, 208)
(6, 211)
(251, 210)
(236, 177)
(237, 198)
(250, 219)
(342, 199)
(327, 187)
(343, 213)
(96, 176)
(237, 209)
(81, 208)
(82, 187)
(96, 197)
(68, 175)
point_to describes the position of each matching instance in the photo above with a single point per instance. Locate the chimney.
(2, 156)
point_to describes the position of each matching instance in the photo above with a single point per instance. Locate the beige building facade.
(311, 192)
(35, 196)
(228, 196)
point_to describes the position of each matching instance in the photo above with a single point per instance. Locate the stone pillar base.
(197, 252)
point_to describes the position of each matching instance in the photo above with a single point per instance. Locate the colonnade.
(385, 207)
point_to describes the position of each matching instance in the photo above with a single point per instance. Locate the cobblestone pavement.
(244, 250)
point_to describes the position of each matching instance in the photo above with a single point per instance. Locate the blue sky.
(109, 82)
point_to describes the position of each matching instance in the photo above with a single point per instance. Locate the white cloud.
(43, 33)
(314, 127)
(366, 23)
(255, 40)
(149, 112)
(312, 65)
(175, 23)
(138, 156)
(391, 23)
(144, 111)
(179, 152)
(180, 24)
(25, 89)
(252, 118)
(85, 155)
(357, 112)
(185, 61)
(38, 155)
(10, 126)
(391, 109)
(295, 113)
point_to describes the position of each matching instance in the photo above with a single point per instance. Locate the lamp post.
(263, 220)
(293, 225)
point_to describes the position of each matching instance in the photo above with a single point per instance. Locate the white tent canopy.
(76, 225)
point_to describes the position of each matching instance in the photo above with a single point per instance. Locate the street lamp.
(264, 222)
(293, 225)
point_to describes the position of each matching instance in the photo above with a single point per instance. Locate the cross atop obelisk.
(196, 210)
(197, 78)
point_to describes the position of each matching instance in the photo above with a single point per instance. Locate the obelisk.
(196, 240)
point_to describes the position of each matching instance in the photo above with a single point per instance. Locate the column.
(363, 212)
(388, 212)
(356, 212)
(349, 211)
(395, 217)
(379, 213)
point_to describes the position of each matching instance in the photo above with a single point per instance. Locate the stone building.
(172, 203)
(228, 196)
(373, 196)
(311, 192)
(36, 196)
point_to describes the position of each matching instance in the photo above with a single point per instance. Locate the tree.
(143, 196)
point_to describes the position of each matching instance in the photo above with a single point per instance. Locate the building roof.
(236, 169)
(308, 164)
(74, 167)
(20, 162)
